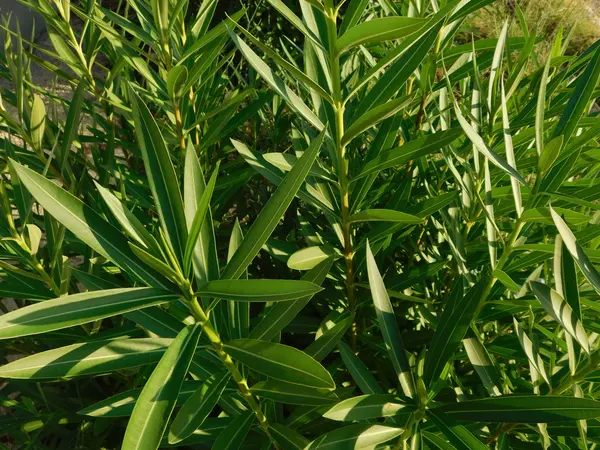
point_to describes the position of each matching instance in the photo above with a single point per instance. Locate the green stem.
(217, 344)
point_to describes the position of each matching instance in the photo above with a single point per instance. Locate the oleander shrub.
(369, 231)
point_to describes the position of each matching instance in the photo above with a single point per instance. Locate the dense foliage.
(300, 225)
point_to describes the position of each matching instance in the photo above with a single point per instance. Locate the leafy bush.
(367, 233)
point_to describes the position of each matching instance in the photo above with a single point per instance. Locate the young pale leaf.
(522, 409)
(409, 151)
(235, 433)
(451, 329)
(389, 326)
(355, 437)
(258, 290)
(281, 314)
(560, 310)
(280, 362)
(576, 251)
(309, 257)
(385, 215)
(293, 394)
(157, 400)
(378, 30)
(197, 408)
(161, 175)
(540, 108)
(86, 224)
(271, 213)
(87, 359)
(37, 123)
(367, 407)
(78, 309)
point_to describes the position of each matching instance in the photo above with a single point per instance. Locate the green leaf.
(374, 116)
(580, 99)
(280, 362)
(130, 223)
(540, 108)
(206, 262)
(281, 314)
(522, 409)
(325, 343)
(285, 162)
(481, 146)
(272, 212)
(122, 404)
(289, 15)
(307, 258)
(352, 14)
(258, 290)
(86, 224)
(360, 373)
(543, 215)
(452, 326)
(576, 251)
(276, 83)
(560, 310)
(410, 151)
(287, 438)
(378, 30)
(72, 123)
(159, 395)
(87, 359)
(367, 407)
(196, 227)
(531, 350)
(385, 215)
(355, 437)
(37, 123)
(293, 394)
(77, 309)
(459, 436)
(161, 175)
(176, 82)
(197, 408)
(232, 437)
(550, 154)
(389, 326)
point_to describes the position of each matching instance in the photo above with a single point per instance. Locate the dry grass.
(547, 17)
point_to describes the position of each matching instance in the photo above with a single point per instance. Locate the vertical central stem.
(340, 148)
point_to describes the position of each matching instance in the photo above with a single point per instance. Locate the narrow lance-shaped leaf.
(280, 362)
(86, 224)
(355, 437)
(457, 435)
(197, 408)
(361, 375)
(533, 354)
(522, 409)
(293, 394)
(78, 309)
(452, 326)
(385, 215)
(159, 395)
(161, 175)
(560, 310)
(271, 213)
(576, 251)
(366, 407)
(87, 359)
(196, 226)
(258, 290)
(37, 122)
(389, 326)
(235, 433)
(72, 123)
(378, 30)
(510, 154)
(540, 108)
